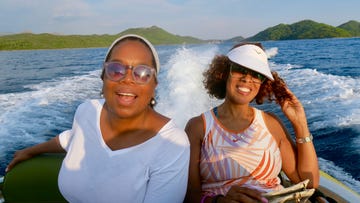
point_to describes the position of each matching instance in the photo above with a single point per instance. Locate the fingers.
(291, 94)
(10, 166)
(13, 162)
(244, 194)
(19, 156)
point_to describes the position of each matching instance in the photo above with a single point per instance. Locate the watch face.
(305, 139)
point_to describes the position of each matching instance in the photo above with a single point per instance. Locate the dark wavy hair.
(219, 69)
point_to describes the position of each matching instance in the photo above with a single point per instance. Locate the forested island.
(306, 29)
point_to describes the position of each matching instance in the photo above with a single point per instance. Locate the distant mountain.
(306, 29)
(52, 41)
(5, 33)
(353, 27)
(26, 41)
(159, 36)
(235, 39)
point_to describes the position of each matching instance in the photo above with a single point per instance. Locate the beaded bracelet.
(304, 139)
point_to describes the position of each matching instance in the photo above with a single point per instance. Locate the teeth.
(244, 89)
(126, 94)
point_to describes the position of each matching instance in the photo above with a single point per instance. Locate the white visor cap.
(152, 48)
(252, 57)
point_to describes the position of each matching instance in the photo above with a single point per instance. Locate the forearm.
(51, 146)
(307, 163)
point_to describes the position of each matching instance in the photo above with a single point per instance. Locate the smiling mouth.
(126, 94)
(244, 89)
(126, 98)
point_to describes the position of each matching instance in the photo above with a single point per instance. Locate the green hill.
(305, 29)
(235, 39)
(353, 27)
(159, 36)
(50, 41)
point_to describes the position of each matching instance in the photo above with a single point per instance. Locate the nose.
(128, 76)
(246, 79)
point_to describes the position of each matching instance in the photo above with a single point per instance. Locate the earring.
(153, 102)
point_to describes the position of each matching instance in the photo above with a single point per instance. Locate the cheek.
(149, 89)
(228, 84)
(256, 91)
(106, 87)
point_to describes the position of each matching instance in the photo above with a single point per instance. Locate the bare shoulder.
(194, 121)
(271, 119)
(195, 128)
(275, 126)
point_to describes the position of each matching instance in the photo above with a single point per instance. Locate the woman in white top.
(119, 148)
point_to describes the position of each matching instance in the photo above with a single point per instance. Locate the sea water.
(40, 90)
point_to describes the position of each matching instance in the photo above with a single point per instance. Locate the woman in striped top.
(238, 151)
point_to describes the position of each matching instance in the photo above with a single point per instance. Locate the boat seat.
(34, 180)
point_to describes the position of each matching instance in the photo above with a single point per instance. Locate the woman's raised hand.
(293, 109)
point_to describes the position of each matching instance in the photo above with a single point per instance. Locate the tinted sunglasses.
(246, 71)
(116, 71)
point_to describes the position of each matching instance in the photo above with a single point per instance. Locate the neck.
(241, 112)
(235, 117)
(120, 124)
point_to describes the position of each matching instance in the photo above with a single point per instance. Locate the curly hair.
(219, 69)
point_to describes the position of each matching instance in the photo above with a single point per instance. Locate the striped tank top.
(250, 158)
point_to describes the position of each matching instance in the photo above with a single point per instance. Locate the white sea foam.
(337, 172)
(271, 52)
(25, 117)
(182, 94)
(336, 99)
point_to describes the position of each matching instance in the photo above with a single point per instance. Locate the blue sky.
(204, 19)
